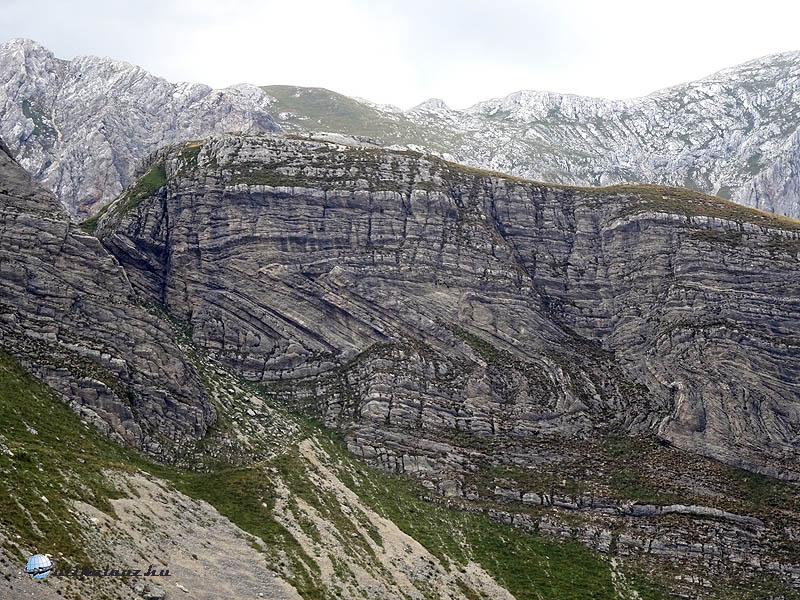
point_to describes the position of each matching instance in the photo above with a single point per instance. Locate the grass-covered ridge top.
(428, 170)
(303, 110)
(650, 197)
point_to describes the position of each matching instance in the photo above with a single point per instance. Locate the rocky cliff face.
(716, 135)
(430, 309)
(81, 126)
(777, 188)
(69, 314)
(533, 353)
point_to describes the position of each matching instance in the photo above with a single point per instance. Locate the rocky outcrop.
(81, 126)
(715, 135)
(432, 310)
(69, 314)
(777, 189)
(616, 507)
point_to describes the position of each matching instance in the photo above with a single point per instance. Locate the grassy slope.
(48, 457)
(529, 567)
(63, 458)
(330, 112)
(147, 185)
(319, 110)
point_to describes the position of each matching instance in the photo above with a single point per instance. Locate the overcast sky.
(403, 52)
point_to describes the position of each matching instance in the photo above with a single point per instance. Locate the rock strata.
(733, 133)
(429, 308)
(69, 314)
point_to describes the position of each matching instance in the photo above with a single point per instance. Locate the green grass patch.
(295, 471)
(63, 459)
(46, 452)
(48, 459)
(191, 151)
(90, 225)
(321, 110)
(147, 185)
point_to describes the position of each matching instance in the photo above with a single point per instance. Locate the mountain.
(314, 255)
(593, 363)
(732, 134)
(249, 499)
(81, 126)
(559, 407)
(332, 369)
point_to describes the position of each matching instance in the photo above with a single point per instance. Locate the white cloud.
(406, 51)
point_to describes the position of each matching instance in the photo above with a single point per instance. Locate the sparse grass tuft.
(145, 186)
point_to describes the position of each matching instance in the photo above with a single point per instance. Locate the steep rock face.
(431, 309)
(81, 126)
(777, 189)
(714, 135)
(68, 313)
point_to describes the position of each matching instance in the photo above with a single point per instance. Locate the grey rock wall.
(81, 126)
(716, 134)
(429, 309)
(777, 189)
(69, 314)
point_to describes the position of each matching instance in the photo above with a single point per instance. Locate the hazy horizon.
(405, 53)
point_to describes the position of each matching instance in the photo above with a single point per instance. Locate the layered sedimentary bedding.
(731, 133)
(564, 360)
(69, 314)
(428, 308)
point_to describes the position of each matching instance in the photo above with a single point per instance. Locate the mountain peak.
(25, 47)
(65, 119)
(23, 43)
(431, 104)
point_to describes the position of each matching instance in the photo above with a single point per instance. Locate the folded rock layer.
(426, 307)
(69, 314)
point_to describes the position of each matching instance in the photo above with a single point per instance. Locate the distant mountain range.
(732, 134)
(82, 126)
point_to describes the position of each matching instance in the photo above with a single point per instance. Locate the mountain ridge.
(728, 134)
(673, 136)
(569, 421)
(548, 244)
(492, 337)
(81, 126)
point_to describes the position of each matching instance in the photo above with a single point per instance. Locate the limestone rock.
(81, 126)
(430, 309)
(69, 314)
(729, 133)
